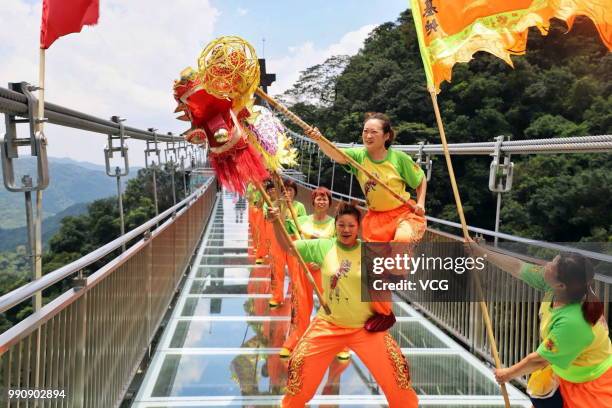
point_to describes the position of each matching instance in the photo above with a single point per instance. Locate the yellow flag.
(453, 31)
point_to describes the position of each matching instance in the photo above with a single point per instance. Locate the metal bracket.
(427, 162)
(192, 156)
(500, 174)
(182, 153)
(122, 148)
(170, 151)
(80, 281)
(10, 143)
(152, 150)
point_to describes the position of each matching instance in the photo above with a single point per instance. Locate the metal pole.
(173, 185)
(120, 199)
(27, 182)
(320, 159)
(351, 186)
(184, 177)
(333, 174)
(153, 167)
(309, 162)
(302, 156)
(497, 216)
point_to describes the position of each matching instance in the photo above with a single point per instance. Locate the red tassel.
(238, 166)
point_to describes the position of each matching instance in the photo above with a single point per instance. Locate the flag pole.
(466, 235)
(39, 214)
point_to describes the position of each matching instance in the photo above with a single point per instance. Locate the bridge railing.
(87, 344)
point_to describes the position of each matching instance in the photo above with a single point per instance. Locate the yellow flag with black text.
(452, 31)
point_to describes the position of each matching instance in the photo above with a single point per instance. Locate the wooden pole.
(306, 127)
(297, 254)
(483, 305)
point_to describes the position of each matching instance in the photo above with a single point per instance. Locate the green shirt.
(397, 170)
(577, 351)
(341, 278)
(312, 229)
(300, 211)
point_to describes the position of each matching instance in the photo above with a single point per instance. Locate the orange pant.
(596, 393)
(377, 350)
(266, 236)
(278, 259)
(399, 225)
(259, 306)
(301, 305)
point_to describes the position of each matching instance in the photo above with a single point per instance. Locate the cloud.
(242, 11)
(298, 58)
(123, 66)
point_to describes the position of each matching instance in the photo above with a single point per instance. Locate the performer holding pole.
(275, 255)
(572, 366)
(328, 334)
(287, 241)
(317, 225)
(256, 222)
(390, 217)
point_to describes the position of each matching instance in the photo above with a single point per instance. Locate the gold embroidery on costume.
(400, 365)
(294, 308)
(296, 364)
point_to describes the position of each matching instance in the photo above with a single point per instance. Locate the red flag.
(61, 17)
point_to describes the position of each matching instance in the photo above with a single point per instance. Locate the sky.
(126, 64)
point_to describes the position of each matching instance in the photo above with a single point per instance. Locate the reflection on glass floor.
(220, 347)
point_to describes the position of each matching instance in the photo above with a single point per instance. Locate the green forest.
(562, 87)
(79, 235)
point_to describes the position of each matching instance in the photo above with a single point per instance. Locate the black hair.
(345, 208)
(576, 272)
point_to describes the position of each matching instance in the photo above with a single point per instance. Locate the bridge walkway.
(220, 345)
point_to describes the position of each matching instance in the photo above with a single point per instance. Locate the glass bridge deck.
(220, 346)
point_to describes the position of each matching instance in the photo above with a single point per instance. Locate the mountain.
(10, 239)
(71, 182)
(87, 165)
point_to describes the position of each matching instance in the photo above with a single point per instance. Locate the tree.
(562, 87)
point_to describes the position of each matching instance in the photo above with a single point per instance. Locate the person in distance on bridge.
(339, 259)
(575, 351)
(387, 219)
(279, 258)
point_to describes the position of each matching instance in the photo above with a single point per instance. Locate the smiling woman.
(388, 219)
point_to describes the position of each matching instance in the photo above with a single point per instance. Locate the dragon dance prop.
(244, 140)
